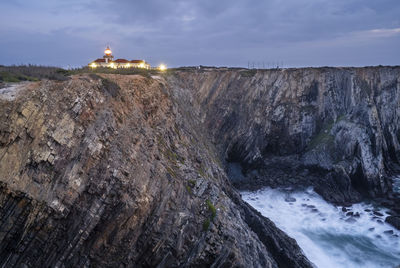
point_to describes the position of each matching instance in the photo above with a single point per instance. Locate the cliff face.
(336, 129)
(117, 171)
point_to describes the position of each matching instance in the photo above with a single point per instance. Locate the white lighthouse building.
(108, 61)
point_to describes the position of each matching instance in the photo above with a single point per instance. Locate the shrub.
(105, 70)
(31, 73)
(11, 77)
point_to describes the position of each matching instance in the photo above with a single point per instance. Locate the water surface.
(329, 236)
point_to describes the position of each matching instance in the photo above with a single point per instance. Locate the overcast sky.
(202, 32)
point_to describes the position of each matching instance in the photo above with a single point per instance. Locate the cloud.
(381, 33)
(356, 38)
(183, 32)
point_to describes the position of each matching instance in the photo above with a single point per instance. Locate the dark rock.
(394, 221)
(377, 213)
(371, 229)
(336, 151)
(367, 210)
(351, 220)
(396, 210)
(266, 231)
(344, 209)
(349, 213)
(388, 232)
(356, 215)
(387, 203)
(290, 199)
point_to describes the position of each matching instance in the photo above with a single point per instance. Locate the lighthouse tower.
(108, 57)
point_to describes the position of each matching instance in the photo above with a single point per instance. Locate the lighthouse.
(108, 61)
(108, 57)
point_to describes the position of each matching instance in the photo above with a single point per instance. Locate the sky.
(264, 33)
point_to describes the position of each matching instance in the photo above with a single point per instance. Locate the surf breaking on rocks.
(331, 236)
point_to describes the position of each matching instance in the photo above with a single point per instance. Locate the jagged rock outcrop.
(394, 221)
(336, 129)
(117, 171)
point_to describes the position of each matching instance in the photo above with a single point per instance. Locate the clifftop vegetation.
(31, 73)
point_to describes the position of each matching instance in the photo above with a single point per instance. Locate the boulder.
(394, 221)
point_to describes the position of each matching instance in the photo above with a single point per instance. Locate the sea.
(331, 236)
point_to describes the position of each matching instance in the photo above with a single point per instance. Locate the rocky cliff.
(133, 171)
(118, 171)
(336, 129)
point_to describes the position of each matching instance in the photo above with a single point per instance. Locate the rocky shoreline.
(125, 170)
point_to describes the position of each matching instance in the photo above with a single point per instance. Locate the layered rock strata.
(336, 129)
(114, 171)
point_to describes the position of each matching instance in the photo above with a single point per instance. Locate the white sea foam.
(327, 236)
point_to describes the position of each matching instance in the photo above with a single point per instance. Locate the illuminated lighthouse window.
(107, 51)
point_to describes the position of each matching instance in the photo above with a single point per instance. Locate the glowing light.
(162, 67)
(127, 65)
(93, 65)
(107, 51)
(112, 65)
(141, 65)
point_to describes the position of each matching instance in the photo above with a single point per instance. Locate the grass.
(206, 225)
(189, 186)
(211, 208)
(213, 211)
(248, 73)
(189, 189)
(324, 136)
(172, 156)
(35, 73)
(31, 73)
(12, 77)
(192, 183)
(320, 139)
(123, 71)
(171, 171)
